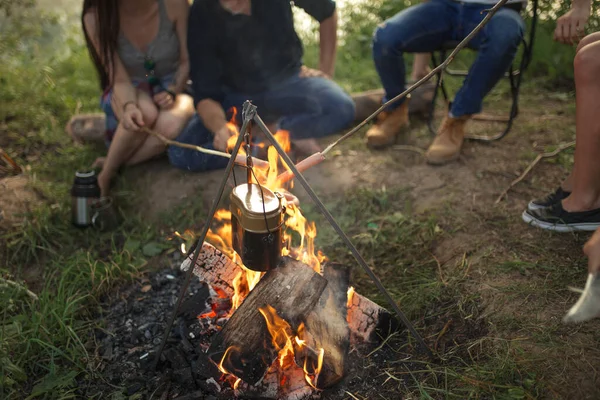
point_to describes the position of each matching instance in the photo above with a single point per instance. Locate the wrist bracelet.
(128, 103)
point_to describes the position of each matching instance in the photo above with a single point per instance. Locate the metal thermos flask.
(256, 224)
(84, 192)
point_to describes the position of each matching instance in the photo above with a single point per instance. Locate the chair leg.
(515, 85)
(439, 86)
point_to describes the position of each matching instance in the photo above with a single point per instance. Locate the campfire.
(282, 316)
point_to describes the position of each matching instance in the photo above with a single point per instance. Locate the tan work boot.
(388, 126)
(446, 145)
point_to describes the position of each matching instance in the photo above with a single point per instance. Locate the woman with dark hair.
(140, 52)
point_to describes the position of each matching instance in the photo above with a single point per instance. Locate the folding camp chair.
(514, 76)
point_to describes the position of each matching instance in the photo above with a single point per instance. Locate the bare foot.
(99, 163)
(306, 147)
(103, 183)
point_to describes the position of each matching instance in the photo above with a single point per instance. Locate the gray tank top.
(163, 50)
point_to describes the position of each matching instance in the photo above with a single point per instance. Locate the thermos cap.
(85, 174)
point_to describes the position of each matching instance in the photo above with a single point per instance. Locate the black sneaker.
(555, 218)
(554, 197)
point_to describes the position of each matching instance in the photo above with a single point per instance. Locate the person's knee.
(345, 111)
(587, 66)
(179, 157)
(589, 39)
(386, 41)
(170, 126)
(506, 34)
(150, 114)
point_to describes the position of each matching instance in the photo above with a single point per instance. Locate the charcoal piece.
(134, 388)
(136, 336)
(183, 333)
(196, 304)
(176, 358)
(192, 396)
(205, 368)
(183, 375)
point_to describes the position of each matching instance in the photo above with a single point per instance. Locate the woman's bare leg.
(586, 170)
(125, 142)
(169, 124)
(567, 185)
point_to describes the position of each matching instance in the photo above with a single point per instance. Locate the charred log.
(327, 328)
(368, 321)
(244, 347)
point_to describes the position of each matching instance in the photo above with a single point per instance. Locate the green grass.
(45, 343)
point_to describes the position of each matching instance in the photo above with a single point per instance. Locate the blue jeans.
(426, 26)
(306, 107)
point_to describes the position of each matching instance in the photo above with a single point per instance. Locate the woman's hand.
(222, 136)
(133, 119)
(306, 72)
(570, 28)
(164, 100)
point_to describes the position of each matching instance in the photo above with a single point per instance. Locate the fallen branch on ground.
(4, 158)
(6, 283)
(539, 157)
(414, 149)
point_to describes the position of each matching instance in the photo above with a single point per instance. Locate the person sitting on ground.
(249, 50)
(426, 27)
(139, 50)
(575, 205)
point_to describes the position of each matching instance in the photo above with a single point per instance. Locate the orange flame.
(350, 296)
(233, 127)
(224, 358)
(281, 335)
(312, 381)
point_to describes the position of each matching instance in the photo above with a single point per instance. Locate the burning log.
(244, 347)
(327, 328)
(215, 268)
(368, 321)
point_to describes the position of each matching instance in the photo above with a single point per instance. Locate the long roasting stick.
(239, 159)
(434, 71)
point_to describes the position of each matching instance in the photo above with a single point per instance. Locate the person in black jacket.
(249, 50)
